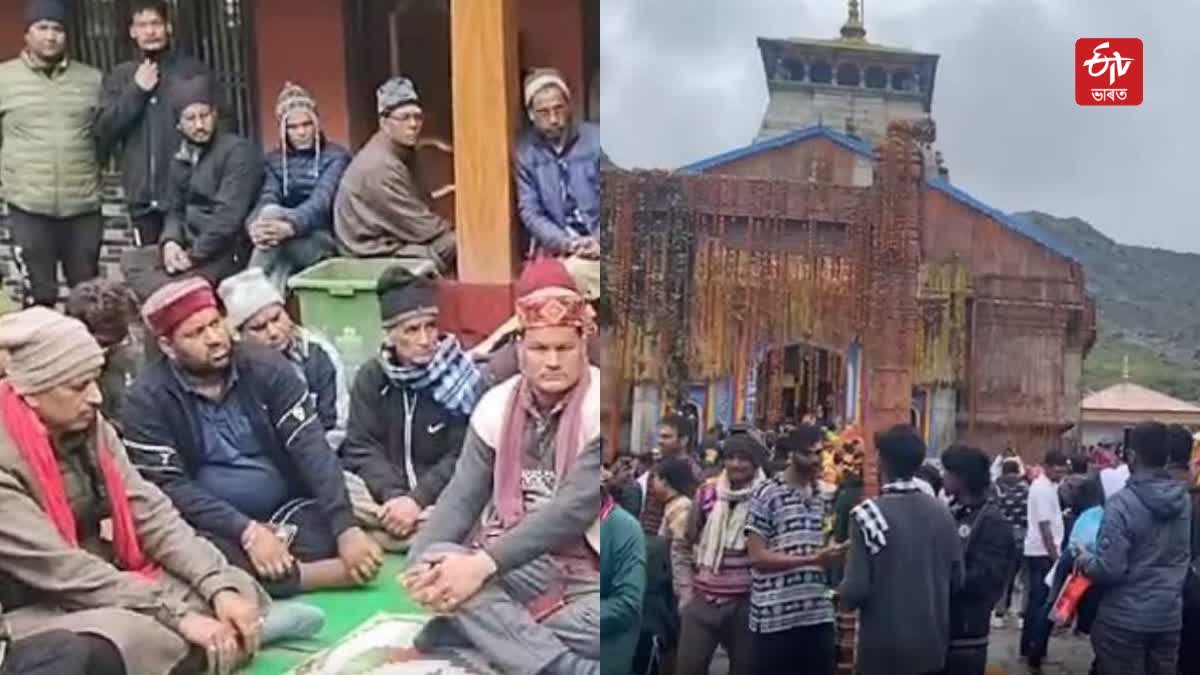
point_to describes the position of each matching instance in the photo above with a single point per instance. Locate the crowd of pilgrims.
(765, 548)
(181, 461)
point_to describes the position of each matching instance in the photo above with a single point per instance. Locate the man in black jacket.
(988, 555)
(214, 180)
(230, 434)
(136, 116)
(409, 406)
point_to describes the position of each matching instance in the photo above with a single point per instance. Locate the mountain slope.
(1149, 308)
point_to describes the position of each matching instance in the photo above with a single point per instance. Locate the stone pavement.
(1068, 655)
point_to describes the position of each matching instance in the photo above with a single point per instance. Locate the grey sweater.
(902, 592)
(555, 525)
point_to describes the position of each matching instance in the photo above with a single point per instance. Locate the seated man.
(229, 432)
(528, 597)
(214, 180)
(255, 310)
(409, 407)
(108, 309)
(151, 587)
(558, 171)
(292, 225)
(381, 207)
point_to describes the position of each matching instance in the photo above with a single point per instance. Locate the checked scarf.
(451, 377)
(870, 518)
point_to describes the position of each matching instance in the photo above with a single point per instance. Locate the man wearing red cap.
(231, 434)
(528, 594)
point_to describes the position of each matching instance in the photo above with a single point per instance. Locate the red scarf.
(510, 504)
(33, 442)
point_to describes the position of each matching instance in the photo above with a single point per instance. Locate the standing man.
(1141, 561)
(381, 207)
(987, 554)
(558, 170)
(292, 225)
(48, 165)
(674, 439)
(528, 597)
(1012, 497)
(905, 560)
(622, 548)
(791, 611)
(1043, 542)
(136, 119)
(719, 613)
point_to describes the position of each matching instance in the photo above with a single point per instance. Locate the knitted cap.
(539, 79)
(196, 89)
(46, 10)
(544, 273)
(293, 98)
(404, 295)
(745, 446)
(245, 294)
(46, 350)
(175, 303)
(395, 93)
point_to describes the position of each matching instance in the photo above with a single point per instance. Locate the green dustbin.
(337, 300)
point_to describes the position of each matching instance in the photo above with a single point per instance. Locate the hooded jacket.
(1142, 554)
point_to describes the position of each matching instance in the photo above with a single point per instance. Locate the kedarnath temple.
(831, 267)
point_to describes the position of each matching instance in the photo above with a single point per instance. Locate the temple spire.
(854, 29)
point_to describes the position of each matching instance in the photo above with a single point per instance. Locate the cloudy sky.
(682, 80)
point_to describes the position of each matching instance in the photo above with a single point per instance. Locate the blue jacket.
(1142, 554)
(539, 188)
(310, 189)
(165, 440)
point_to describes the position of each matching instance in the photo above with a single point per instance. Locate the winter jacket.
(48, 162)
(1012, 498)
(988, 556)
(306, 190)
(318, 362)
(540, 190)
(143, 127)
(165, 440)
(622, 590)
(211, 194)
(1142, 554)
(903, 591)
(381, 206)
(375, 447)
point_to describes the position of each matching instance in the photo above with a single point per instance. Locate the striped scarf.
(870, 518)
(452, 377)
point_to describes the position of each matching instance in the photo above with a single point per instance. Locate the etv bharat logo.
(1108, 71)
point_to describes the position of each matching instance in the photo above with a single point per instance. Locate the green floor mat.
(344, 611)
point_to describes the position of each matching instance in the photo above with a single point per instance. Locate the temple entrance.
(810, 381)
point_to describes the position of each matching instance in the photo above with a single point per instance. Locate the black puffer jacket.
(988, 553)
(141, 127)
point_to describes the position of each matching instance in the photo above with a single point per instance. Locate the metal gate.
(218, 32)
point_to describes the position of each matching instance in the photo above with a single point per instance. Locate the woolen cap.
(404, 295)
(46, 349)
(245, 294)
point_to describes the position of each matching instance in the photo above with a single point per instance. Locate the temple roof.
(1130, 397)
(864, 149)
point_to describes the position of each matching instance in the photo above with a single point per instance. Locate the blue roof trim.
(852, 143)
(1022, 227)
(864, 149)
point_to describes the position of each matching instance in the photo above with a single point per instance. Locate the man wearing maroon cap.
(528, 594)
(230, 433)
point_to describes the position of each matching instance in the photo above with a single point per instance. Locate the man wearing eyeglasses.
(558, 171)
(215, 176)
(381, 209)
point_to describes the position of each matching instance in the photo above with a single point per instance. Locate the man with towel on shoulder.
(146, 583)
(528, 596)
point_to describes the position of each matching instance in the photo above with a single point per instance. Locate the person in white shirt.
(998, 463)
(1043, 542)
(1115, 477)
